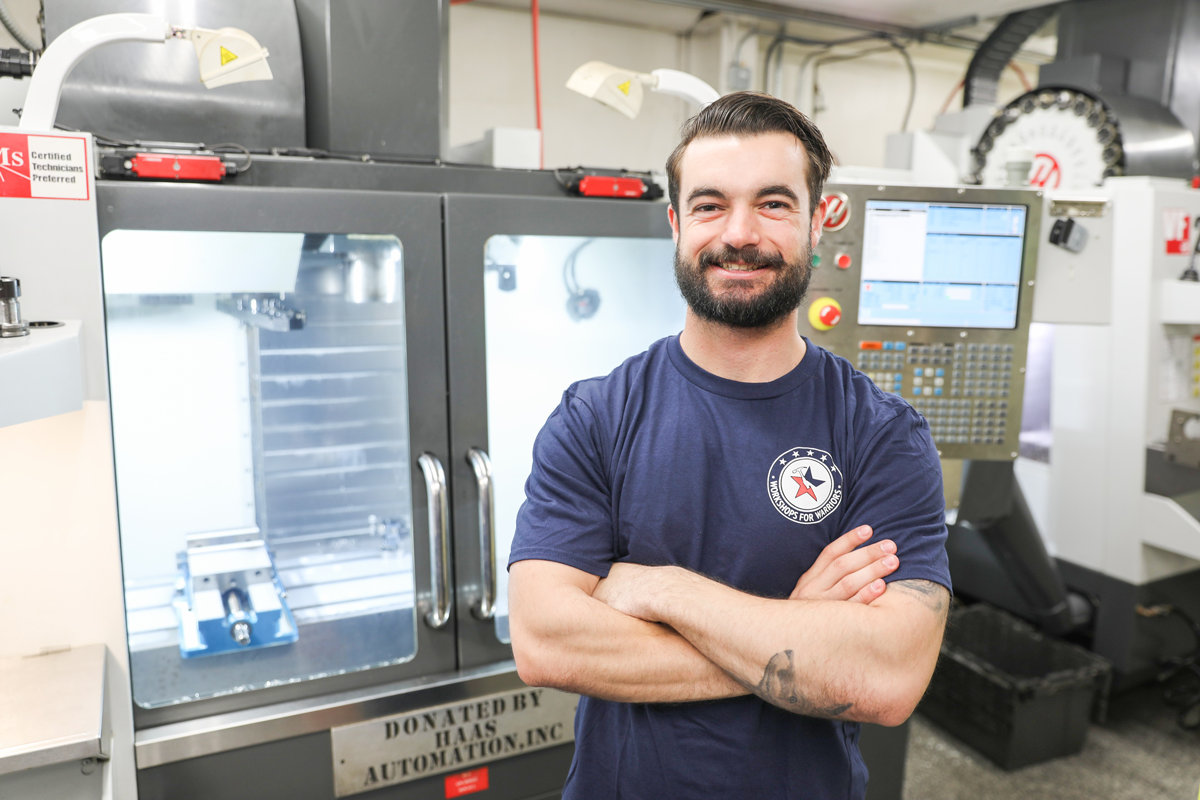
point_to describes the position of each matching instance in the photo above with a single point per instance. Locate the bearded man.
(726, 649)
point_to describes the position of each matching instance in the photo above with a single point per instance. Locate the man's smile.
(738, 266)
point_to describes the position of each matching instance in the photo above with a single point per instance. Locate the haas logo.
(837, 211)
(1046, 173)
(14, 165)
(11, 158)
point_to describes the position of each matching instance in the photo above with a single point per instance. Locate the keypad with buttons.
(963, 390)
(961, 421)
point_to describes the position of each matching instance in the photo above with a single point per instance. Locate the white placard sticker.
(58, 167)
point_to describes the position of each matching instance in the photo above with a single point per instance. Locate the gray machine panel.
(974, 408)
(376, 72)
(286, 750)
(471, 220)
(416, 220)
(298, 171)
(134, 90)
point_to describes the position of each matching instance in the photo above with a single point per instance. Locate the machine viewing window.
(558, 309)
(260, 425)
(941, 265)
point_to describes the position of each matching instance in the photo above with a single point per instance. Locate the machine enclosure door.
(540, 293)
(397, 237)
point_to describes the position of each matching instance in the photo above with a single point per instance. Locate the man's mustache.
(746, 255)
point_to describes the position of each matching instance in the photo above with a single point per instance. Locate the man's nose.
(741, 229)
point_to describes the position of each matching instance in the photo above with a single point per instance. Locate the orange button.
(870, 345)
(844, 261)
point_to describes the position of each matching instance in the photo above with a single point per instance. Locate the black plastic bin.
(1014, 694)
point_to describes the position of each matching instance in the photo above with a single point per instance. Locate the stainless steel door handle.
(486, 607)
(439, 541)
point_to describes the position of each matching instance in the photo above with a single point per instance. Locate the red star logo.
(804, 488)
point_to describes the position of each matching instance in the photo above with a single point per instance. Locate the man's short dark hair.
(753, 114)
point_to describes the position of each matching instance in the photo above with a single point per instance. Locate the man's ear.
(674, 218)
(818, 221)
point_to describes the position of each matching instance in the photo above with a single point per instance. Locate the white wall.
(864, 99)
(491, 84)
(60, 564)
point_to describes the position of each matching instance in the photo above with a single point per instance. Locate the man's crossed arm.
(844, 645)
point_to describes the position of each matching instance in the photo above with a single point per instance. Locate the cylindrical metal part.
(439, 540)
(16, 64)
(241, 632)
(10, 309)
(373, 276)
(1017, 166)
(233, 602)
(240, 629)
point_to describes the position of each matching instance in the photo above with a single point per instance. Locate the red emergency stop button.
(844, 260)
(824, 313)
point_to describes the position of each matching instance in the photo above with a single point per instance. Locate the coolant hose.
(11, 26)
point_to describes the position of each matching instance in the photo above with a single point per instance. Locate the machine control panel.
(928, 291)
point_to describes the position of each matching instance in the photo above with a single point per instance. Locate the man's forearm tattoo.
(778, 687)
(933, 596)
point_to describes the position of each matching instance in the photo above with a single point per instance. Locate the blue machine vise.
(232, 598)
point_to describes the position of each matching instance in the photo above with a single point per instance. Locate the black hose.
(231, 146)
(912, 82)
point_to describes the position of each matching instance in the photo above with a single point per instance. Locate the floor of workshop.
(1138, 754)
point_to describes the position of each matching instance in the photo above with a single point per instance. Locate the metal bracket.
(1081, 207)
(1183, 439)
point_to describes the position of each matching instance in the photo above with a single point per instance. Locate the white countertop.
(52, 708)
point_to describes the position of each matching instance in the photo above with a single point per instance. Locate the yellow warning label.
(624, 87)
(226, 56)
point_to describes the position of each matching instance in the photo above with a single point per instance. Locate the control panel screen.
(941, 265)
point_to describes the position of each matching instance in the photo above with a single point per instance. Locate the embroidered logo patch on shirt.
(804, 484)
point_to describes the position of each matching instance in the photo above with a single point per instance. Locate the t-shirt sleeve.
(897, 490)
(567, 513)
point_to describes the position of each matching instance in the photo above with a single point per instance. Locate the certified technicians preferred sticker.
(804, 484)
(52, 167)
(449, 738)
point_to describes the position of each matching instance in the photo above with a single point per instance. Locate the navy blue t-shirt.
(664, 463)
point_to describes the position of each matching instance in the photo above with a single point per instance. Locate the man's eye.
(777, 204)
(705, 208)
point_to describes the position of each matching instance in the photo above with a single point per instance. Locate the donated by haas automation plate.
(449, 738)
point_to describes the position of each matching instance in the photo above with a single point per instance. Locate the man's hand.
(627, 589)
(845, 571)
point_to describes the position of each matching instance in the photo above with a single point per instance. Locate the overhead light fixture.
(621, 89)
(228, 55)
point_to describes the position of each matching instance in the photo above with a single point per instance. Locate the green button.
(816, 260)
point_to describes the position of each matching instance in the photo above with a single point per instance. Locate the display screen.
(941, 265)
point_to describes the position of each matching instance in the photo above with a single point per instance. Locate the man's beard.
(742, 307)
